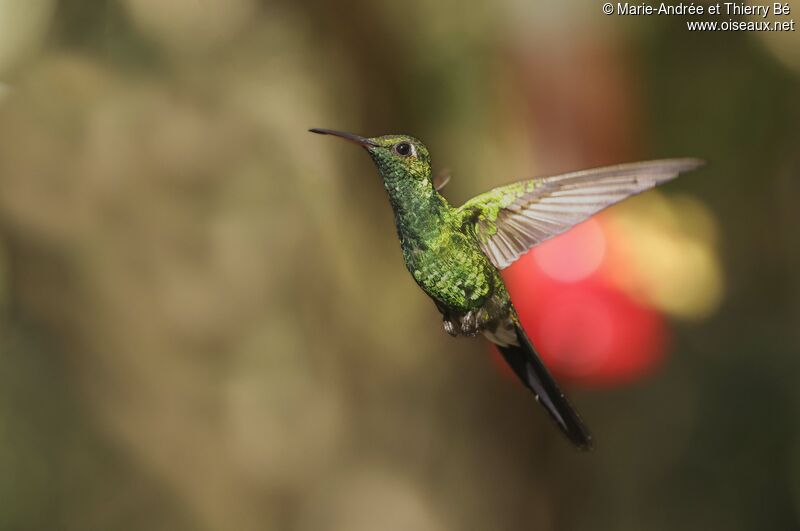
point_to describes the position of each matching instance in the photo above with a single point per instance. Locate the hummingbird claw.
(469, 323)
(449, 327)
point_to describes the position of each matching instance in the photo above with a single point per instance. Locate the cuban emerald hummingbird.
(455, 254)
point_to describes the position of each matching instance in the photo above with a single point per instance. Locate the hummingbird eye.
(404, 149)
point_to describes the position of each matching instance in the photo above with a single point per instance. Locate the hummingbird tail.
(528, 367)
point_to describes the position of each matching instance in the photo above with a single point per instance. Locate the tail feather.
(529, 368)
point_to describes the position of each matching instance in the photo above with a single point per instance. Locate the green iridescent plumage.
(455, 254)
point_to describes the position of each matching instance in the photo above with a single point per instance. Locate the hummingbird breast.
(448, 264)
(451, 268)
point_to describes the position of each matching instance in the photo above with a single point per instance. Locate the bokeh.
(205, 323)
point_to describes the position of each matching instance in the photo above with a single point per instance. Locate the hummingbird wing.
(441, 179)
(511, 219)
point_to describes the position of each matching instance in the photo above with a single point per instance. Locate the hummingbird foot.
(467, 324)
(449, 326)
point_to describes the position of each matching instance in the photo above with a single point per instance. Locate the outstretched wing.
(511, 219)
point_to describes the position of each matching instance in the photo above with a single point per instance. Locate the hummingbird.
(455, 254)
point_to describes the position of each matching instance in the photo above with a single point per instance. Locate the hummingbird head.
(399, 158)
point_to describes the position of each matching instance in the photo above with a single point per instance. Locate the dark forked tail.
(527, 365)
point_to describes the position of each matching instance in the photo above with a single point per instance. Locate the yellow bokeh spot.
(663, 253)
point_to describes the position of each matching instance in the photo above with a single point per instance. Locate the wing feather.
(511, 219)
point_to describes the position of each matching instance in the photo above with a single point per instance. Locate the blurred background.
(205, 323)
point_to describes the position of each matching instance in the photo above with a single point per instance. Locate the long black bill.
(360, 140)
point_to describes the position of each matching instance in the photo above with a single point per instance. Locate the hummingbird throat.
(420, 211)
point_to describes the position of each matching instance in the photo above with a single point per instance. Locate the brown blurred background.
(205, 323)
